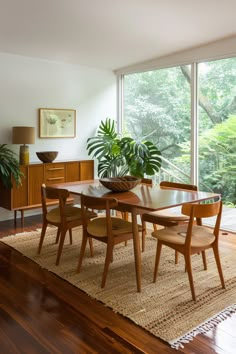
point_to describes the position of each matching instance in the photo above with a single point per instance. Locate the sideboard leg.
(22, 217)
(15, 216)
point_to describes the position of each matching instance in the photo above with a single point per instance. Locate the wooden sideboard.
(28, 194)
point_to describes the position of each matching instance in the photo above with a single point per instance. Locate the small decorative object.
(23, 135)
(57, 123)
(47, 156)
(120, 184)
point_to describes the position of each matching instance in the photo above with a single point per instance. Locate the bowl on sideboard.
(47, 156)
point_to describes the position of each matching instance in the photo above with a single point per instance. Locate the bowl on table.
(120, 184)
(47, 156)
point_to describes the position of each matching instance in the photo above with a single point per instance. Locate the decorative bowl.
(47, 156)
(120, 184)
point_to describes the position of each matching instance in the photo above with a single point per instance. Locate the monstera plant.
(118, 156)
(9, 167)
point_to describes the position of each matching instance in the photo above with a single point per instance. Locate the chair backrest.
(147, 181)
(175, 185)
(50, 193)
(199, 211)
(98, 203)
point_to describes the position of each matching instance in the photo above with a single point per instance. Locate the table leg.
(137, 253)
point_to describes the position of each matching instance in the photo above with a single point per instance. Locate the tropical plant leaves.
(9, 167)
(119, 156)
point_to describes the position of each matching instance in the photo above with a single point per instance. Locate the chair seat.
(173, 214)
(201, 236)
(71, 213)
(97, 227)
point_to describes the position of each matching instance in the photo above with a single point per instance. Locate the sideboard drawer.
(54, 173)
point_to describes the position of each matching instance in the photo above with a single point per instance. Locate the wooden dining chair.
(189, 239)
(65, 217)
(168, 217)
(107, 229)
(125, 215)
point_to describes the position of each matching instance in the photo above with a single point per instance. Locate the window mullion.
(194, 124)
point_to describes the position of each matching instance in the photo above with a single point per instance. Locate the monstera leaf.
(119, 156)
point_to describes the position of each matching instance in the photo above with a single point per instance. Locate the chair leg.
(176, 257)
(61, 243)
(82, 250)
(91, 246)
(158, 255)
(58, 235)
(144, 232)
(218, 263)
(204, 260)
(70, 233)
(190, 275)
(143, 238)
(43, 232)
(125, 216)
(109, 256)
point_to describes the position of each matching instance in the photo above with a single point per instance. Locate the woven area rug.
(165, 308)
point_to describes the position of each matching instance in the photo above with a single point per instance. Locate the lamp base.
(24, 155)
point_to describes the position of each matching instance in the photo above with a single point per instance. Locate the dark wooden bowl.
(47, 156)
(120, 184)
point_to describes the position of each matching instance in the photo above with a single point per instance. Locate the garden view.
(157, 107)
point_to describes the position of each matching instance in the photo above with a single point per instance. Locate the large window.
(217, 127)
(157, 106)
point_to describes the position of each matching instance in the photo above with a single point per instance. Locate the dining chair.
(65, 217)
(189, 238)
(107, 229)
(125, 215)
(168, 217)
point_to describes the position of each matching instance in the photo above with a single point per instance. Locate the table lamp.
(23, 135)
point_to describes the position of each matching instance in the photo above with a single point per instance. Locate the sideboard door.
(36, 178)
(86, 170)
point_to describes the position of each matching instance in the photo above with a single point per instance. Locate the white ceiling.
(111, 33)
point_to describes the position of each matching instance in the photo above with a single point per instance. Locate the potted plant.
(9, 167)
(119, 156)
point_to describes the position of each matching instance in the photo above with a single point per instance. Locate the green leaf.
(119, 156)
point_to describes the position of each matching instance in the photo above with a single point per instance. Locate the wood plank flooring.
(41, 313)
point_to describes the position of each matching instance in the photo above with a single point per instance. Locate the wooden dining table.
(141, 199)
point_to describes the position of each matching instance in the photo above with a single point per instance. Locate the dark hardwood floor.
(41, 313)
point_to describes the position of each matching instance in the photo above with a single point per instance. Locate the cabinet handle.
(54, 178)
(55, 169)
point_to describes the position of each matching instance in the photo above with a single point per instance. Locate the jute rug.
(165, 308)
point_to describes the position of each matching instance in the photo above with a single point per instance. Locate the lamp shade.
(23, 135)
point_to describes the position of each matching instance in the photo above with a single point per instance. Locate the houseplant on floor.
(9, 167)
(118, 156)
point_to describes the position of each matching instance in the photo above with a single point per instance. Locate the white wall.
(27, 84)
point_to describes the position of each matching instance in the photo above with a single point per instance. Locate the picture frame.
(57, 123)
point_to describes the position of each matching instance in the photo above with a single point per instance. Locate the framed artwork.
(57, 123)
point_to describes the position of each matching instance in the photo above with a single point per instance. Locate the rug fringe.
(203, 327)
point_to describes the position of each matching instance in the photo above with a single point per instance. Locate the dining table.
(143, 198)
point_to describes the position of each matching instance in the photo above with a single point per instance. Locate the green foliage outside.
(157, 104)
(217, 158)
